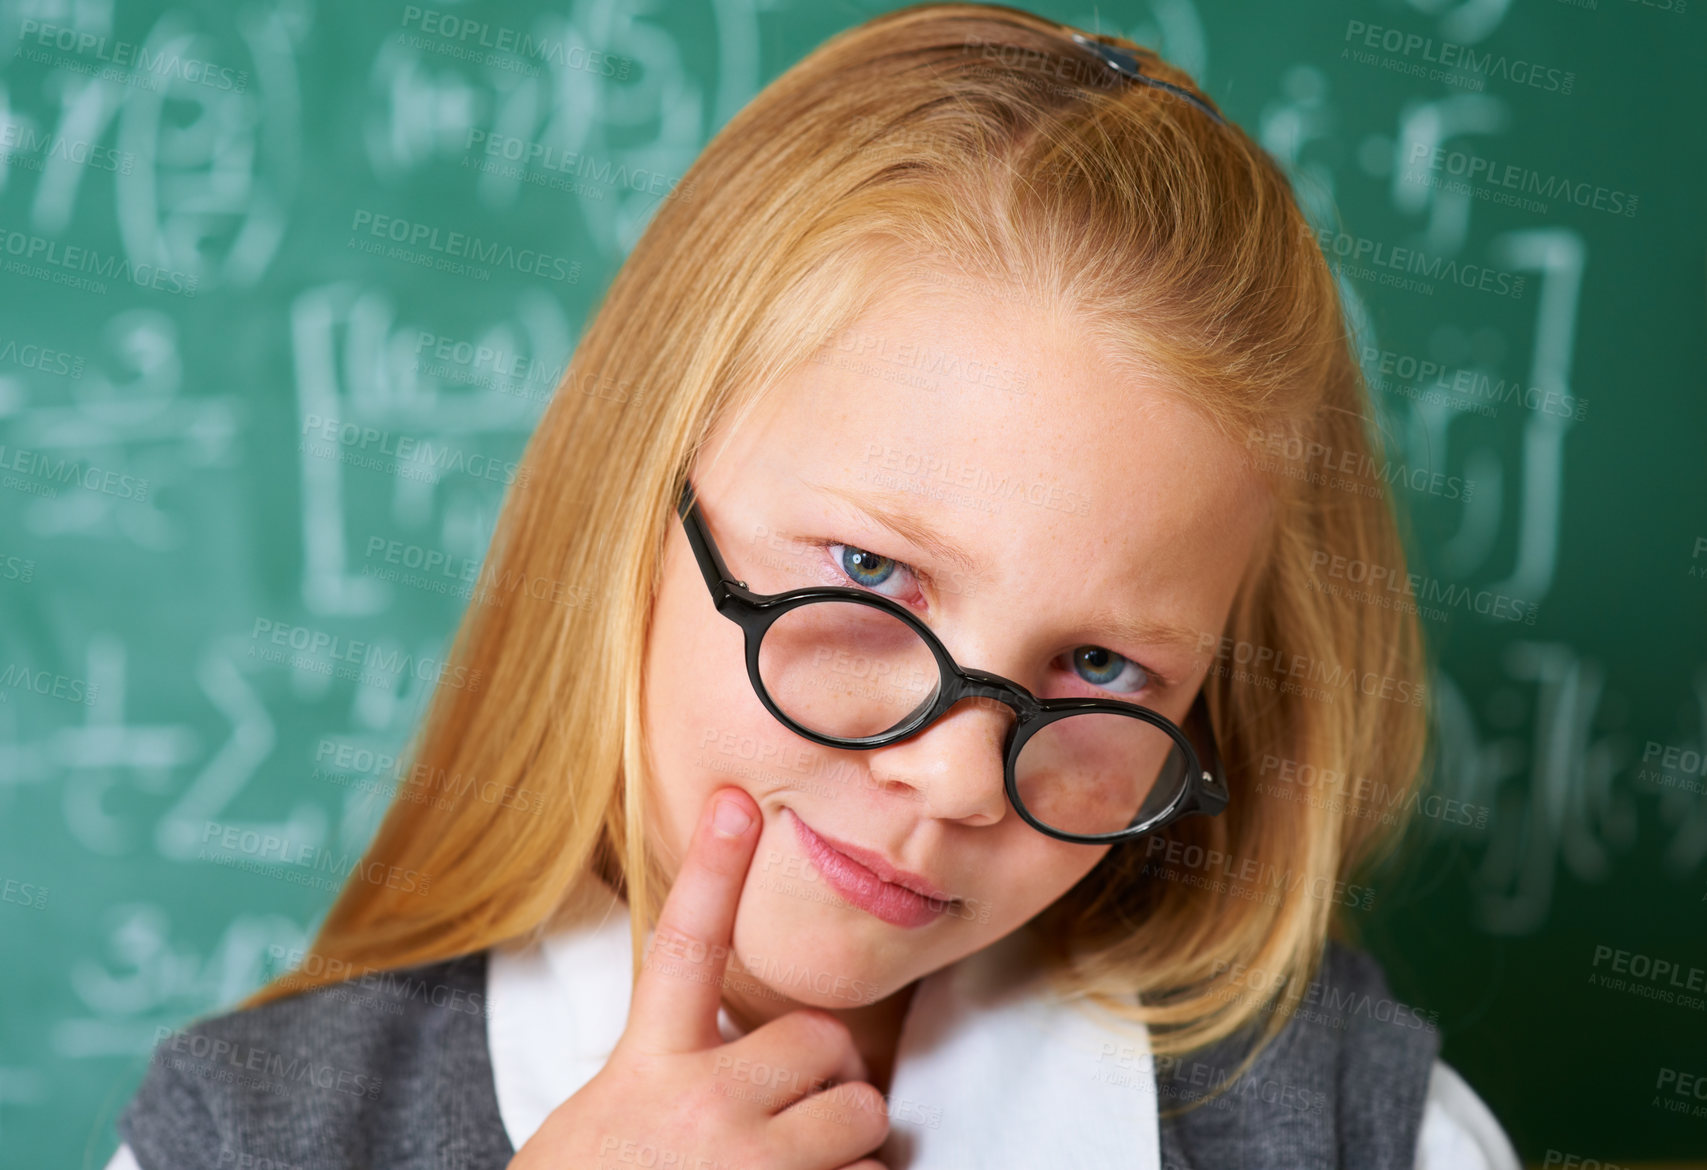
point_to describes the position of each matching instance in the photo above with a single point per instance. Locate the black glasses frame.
(1204, 792)
(1128, 64)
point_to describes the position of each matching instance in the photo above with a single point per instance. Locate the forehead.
(1007, 424)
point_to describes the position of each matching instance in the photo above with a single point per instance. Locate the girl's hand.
(669, 1097)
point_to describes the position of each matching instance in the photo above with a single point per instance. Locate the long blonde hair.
(946, 138)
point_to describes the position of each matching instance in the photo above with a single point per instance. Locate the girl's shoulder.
(1346, 1079)
(394, 1069)
(387, 1069)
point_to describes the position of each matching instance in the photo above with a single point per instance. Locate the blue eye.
(1102, 668)
(866, 569)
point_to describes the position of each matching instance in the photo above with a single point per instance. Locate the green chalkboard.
(198, 207)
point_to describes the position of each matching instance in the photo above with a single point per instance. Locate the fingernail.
(730, 819)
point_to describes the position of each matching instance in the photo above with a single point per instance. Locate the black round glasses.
(850, 669)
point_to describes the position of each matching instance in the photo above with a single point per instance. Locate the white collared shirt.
(990, 1069)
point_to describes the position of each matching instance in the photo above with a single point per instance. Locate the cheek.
(703, 727)
(1037, 874)
(675, 728)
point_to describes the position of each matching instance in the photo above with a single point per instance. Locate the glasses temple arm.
(711, 564)
(1208, 792)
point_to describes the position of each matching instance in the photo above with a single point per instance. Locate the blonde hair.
(941, 138)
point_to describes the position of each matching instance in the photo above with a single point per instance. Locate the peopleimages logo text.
(1452, 55)
(1413, 262)
(34, 249)
(130, 55)
(463, 246)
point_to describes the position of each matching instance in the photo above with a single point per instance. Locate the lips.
(871, 883)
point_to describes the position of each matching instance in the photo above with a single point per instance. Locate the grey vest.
(392, 1071)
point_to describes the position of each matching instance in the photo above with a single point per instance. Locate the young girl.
(1013, 833)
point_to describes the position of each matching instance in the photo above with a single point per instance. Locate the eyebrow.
(880, 506)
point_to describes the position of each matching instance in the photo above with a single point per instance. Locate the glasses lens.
(1097, 772)
(855, 671)
(847, 670)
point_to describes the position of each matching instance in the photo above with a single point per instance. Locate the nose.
(956, 765)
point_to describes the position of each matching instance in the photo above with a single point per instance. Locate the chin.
(813, 953)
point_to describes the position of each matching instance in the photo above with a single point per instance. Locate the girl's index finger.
(680, 988)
